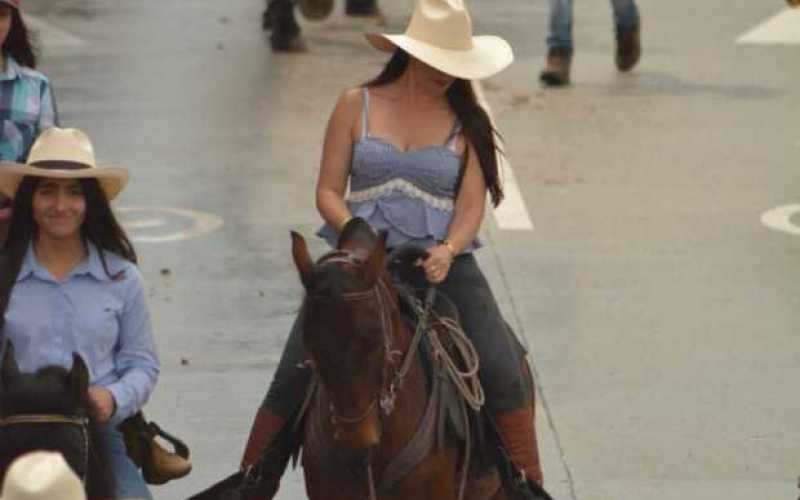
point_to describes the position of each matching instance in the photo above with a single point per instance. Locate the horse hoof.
(290, 45)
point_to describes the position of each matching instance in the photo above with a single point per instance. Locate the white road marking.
(52, 36)
(143, 222)
(512, 214)
(780, 219)
(781, 29)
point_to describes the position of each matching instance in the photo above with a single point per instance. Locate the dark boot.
(518, 433)
(361, 8)
(265, 447)
(556, 70)
(629, 48)
(286, 35)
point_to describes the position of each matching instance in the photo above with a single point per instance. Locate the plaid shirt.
(27, 107)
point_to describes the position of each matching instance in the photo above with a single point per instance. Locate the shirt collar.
(92, 266)
(12, 69)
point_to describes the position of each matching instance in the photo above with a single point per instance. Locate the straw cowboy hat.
(41, 475)
(440, 35)
(63, 153)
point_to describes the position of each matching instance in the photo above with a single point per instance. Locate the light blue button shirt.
(104, 320)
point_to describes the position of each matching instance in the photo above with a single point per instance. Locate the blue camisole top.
(409, 194)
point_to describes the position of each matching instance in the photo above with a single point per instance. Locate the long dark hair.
(19, 44)
(100, 226)
(475, 122)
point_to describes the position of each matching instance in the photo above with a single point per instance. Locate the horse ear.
(10, 370)
(374, 265)
(302, 260)
(79, 378)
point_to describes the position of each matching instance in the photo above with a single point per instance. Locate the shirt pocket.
(98, 328)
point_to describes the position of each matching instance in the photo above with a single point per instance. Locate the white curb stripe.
(781, 29)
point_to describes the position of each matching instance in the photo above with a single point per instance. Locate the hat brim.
(489, 55)
(112, 178)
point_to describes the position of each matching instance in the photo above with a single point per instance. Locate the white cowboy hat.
(440, 35)
(62, 153)
(41, 475)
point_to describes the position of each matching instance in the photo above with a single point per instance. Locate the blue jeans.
(129, 481)
(626, 16)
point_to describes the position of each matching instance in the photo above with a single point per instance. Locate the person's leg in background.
(627, 24)
(279, 17)
(559, 44)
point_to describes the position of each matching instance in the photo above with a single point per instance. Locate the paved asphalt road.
(662, 314)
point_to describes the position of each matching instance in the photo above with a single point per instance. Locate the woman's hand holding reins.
(437, 265)
(104, 403)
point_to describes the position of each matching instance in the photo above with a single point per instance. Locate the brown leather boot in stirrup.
(518, 433)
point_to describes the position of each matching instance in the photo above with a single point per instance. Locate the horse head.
(347, 326)
(50, 410)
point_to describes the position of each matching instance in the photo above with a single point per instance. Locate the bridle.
(382, 295)
(81, 422)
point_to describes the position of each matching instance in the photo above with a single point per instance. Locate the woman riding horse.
(72, 284)
(419, 154)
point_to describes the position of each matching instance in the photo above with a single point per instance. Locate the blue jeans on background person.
(626, 16)
(128, 478)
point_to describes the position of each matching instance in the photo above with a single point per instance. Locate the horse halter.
(49, 419)
(381, 294)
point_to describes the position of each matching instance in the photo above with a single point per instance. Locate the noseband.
(74, 421)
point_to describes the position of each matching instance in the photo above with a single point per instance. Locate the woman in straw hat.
(73, 286)
(41, 475)
(419, 154)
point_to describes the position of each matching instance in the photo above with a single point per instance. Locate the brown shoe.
(518, 433)
(260, 446)
(629, 48)
(556, 70)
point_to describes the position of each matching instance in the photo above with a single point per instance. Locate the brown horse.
(359, 420)
(50, 410)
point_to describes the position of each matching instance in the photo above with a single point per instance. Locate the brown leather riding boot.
(518, 432)
(266, 427)
(556, 70)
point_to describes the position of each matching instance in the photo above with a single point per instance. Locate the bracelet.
(449, 246)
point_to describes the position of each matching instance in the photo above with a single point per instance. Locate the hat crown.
(442, 23)
(42, 475)
(64, 145)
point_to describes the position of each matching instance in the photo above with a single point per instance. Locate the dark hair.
(19, 44)
(100, 226)
(475, 122)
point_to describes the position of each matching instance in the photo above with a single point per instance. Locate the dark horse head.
(348, 318)
(50, 410)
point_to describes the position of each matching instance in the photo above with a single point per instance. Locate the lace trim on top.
(405, 187)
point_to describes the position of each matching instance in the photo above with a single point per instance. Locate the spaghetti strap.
(365, 113)
(450, 143)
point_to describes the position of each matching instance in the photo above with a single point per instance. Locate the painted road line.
(167, 224)
(52, 36)
(780, 219)
(512, 214)
(781, 29)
